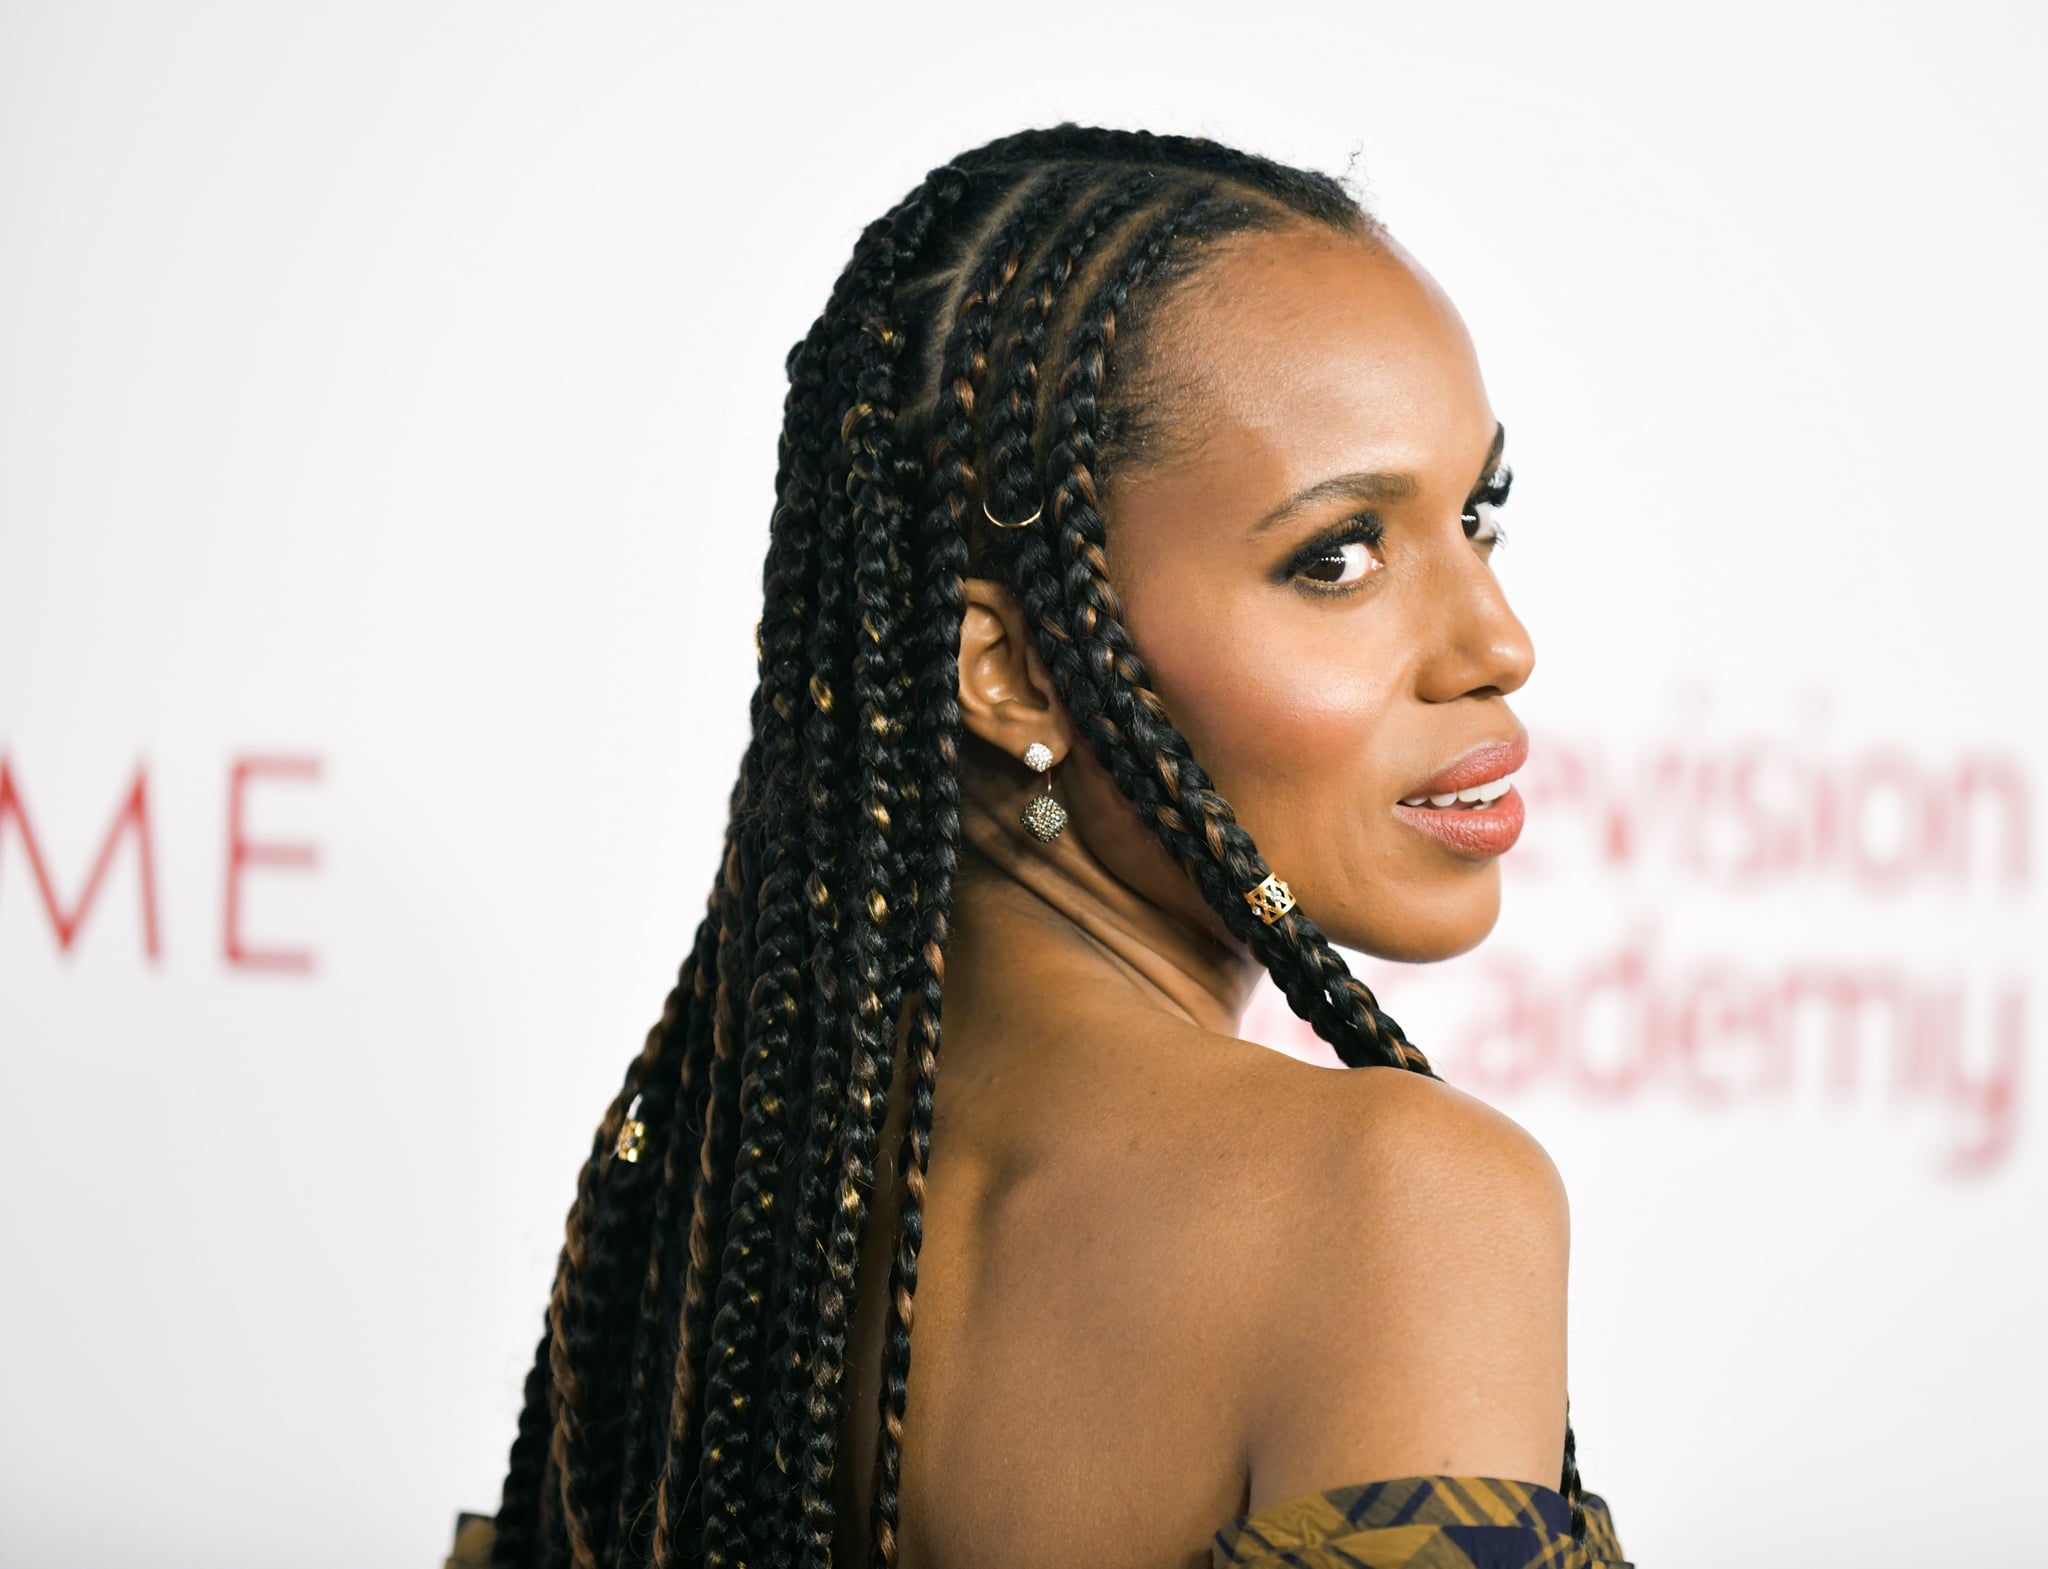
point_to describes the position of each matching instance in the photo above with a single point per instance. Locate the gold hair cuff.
(999, 523)
(632, 1137)
(1270, 900)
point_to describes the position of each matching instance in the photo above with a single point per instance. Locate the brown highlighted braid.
(686, 1397)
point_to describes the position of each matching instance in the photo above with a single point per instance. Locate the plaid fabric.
(1419, 1522)
(1422, 1522)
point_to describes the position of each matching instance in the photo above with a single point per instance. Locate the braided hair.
(686, 1399)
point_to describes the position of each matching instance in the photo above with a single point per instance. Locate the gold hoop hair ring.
(999, 523)
(1270, 900)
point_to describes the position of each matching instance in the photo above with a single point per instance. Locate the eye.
(1482, 512)
(1341, 559)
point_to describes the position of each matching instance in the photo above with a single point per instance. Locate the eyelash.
(1365, 529)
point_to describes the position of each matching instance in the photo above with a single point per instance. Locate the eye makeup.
(1485, 503)
(1326, 561)
(1340, 546)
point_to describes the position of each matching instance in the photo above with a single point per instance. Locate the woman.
(1128, 603)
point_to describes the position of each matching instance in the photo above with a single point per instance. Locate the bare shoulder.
(1403, 1146)
(1417, 1316)
(1418, 1147)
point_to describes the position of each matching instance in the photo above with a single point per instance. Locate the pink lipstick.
(1471, 806)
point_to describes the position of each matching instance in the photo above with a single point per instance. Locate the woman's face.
(1308, 575)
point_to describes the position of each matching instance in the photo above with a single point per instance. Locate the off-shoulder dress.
(1414, 1522)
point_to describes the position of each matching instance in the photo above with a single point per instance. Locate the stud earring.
(1044, 817)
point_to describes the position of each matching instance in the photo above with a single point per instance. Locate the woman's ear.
(1007, 696)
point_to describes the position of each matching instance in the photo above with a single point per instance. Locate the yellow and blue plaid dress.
(1422, 1522)
(1418, 1522)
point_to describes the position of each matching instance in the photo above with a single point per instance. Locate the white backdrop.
(388, 397)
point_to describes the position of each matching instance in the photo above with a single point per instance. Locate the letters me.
(132, 822)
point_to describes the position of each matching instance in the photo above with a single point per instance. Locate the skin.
(1169, 1276)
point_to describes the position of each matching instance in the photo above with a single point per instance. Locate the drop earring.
(1044, 817)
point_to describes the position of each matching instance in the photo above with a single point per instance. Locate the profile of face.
(1305, 565)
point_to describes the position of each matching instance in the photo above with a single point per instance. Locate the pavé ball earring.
(1043, 816)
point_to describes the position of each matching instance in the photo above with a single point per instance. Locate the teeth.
(1474, 795)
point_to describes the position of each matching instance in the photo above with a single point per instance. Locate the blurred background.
(388, 401)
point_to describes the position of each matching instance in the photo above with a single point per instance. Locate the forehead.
(1301, 352)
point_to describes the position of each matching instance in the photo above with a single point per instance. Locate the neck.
(1056, 906)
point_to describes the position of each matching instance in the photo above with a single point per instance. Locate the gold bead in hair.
(1270, 900)
(999, 523)
(633, 1136)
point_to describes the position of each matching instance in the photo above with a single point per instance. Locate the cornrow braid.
(588, 1269)
(776, 1015)
(871, 941)
(518, 1517)
(773, 1017)
(1306, 192)
(685, 1303)
(660, 1289)
(851, 701)
(1083, 641)
(1013, 409)
(684, 1406)
(707, 1214)
(791, 925)
(936, 739)
(600, 1339)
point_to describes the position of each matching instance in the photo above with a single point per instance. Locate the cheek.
(1281, 706)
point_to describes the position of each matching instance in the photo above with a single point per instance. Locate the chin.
(1423, 931)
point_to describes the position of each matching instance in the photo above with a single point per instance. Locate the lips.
(1472, 807)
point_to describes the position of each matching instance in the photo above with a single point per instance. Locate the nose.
(1476, 646)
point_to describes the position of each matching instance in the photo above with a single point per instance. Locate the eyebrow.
(1369, 487)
